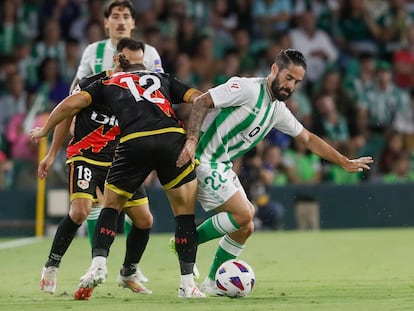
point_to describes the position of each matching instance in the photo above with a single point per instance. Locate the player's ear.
(274, 68)
(115, 59)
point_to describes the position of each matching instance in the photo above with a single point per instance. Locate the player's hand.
(358, 165)
(44, 166)
(188, 153)
(37, 133)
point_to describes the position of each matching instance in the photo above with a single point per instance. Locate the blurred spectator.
(62, 11)
(12, 29)
(22, 150)
(337, 175)
(8, 65)
(229, 67)
(361, 78)
(404, 123)
(50, 43)
(403, 61)
(317, 7)
(332, 85)
(94, 32)
(315, 45)
(93, 13)
(256, 179)
(357, 31)
(304, 168)
(301, 107)
(271, 16)
(377, 109)
(272, 162)
(51, 88)
(332, 126)
(187, 36)
(376, 8)
(393, 148)
(401, 172)
(14, 101)
(245, 50)
(27, 66)
(395, 24)
(243, 10)
(203, 62)
(223, 22)
(69, 66)
(6, 164)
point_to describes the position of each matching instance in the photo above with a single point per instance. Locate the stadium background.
(358, 95)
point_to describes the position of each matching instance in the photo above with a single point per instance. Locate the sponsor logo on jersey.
(104, 119)
(83, 184)
(234, 87)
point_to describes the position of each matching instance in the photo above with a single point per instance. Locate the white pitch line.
(18, 242)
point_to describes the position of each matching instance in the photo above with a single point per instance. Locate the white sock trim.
(94, 213)
(222, 223)
(231, 246)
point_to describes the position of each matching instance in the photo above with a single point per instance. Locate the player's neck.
(269, 89)
(114, 42)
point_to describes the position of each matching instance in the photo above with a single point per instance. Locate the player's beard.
(276, 90)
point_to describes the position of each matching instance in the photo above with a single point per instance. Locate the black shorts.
(84, 177)
(136, 158)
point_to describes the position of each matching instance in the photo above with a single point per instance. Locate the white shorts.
(216, 186)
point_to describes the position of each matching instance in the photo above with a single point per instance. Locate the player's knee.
(144, 222)
(244, 217)
(248, 229)
(78, 215)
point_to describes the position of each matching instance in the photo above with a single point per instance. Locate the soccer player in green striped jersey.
(226, 122)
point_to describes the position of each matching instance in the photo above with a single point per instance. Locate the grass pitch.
(327, 270)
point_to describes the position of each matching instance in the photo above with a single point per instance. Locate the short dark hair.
(290, 56)
(131, 44)
(121, 3)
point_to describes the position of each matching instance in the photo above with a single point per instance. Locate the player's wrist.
(193, 139)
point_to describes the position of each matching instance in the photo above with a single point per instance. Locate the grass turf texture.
(327, 270)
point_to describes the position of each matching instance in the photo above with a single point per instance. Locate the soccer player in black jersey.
(151, 138)
(89, 155)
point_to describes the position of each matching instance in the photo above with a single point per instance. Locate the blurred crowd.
(358, 93)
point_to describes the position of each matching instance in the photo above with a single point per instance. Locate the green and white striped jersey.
(243, 114)
(97, 57)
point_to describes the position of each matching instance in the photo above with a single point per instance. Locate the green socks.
(216, 226)
(91, 222)
(227, 249)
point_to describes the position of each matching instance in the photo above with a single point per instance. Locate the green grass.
(328, 270)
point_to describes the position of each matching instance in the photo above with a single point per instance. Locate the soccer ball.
(234, 278)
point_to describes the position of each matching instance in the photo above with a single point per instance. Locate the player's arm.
(191, 95)
(59, 137)
(200, 108)
(67, 108)
(318, 146)
(75, 82)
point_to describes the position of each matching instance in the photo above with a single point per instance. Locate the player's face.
(285, 81)
(120, 23)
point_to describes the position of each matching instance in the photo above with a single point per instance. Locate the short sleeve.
(235, 92)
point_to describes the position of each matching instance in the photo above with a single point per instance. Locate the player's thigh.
(131, 165)
(220, 189)
(137, 208)
(183, 198)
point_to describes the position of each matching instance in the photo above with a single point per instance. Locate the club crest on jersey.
(234, 87)
(83, 184)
